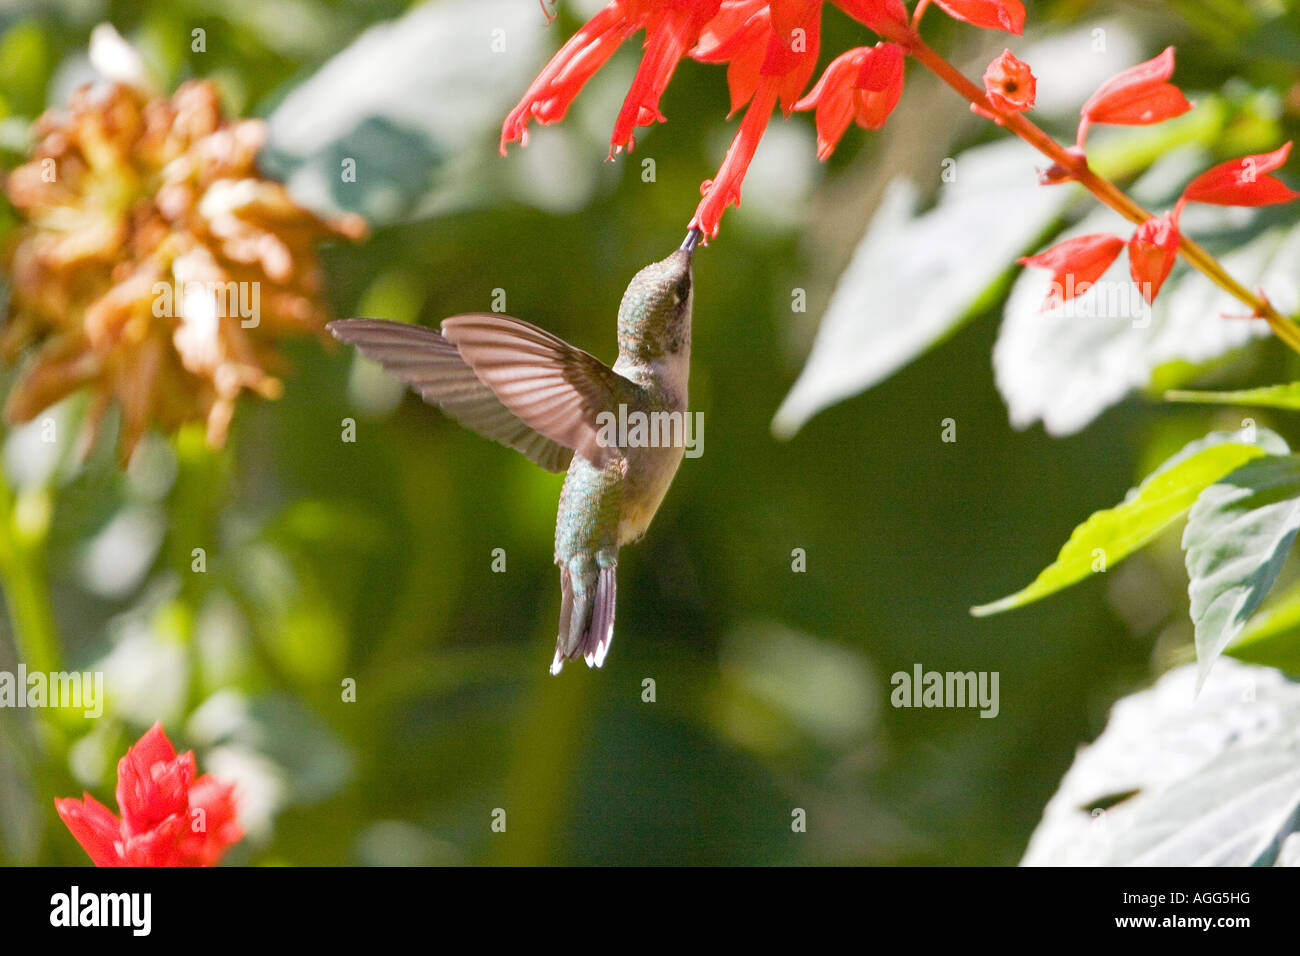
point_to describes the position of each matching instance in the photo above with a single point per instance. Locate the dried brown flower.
(154, 263)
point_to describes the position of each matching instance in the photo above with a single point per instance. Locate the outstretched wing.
(554, 388)
(433, 366)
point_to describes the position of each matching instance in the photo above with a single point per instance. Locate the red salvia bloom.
(1152, 251)
(1137, 96)
(1076, 264)
(863, 84)
(672, 27)
(1242, 182)
(771, 50)
(1009, 84)
(1006, 15)
(169, 818)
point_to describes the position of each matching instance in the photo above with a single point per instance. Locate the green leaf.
(1161, 499)
(903, 266)
(1238, 534)
(1272, 637)
(1270, 396)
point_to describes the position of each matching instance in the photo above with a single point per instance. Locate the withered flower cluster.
(154, 263)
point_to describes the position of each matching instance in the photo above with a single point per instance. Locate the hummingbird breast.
(602, 509)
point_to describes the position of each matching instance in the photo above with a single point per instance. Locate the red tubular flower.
(1152, 251)
(1006, 15)
(672, 26)
(1241, 182)
(771, 49)
(1138, 96)
(863, 84)
(1010, 84)
(1076, 264)
(169, 818)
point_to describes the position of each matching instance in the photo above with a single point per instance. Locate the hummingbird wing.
(553, 387)
(433, 366)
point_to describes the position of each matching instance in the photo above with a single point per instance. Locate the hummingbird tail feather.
(586, 617)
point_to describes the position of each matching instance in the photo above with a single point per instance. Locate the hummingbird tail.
(586, 617)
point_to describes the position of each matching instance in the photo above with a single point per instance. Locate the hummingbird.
(517, 384)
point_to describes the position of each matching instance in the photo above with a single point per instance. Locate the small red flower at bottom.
(168, 817)
(1076, 264)
(1152, 251)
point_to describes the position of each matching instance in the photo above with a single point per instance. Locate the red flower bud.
(1241, 182)
(1152, 251)
(1010, 84)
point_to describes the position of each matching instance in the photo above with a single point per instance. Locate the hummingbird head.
(654, 318)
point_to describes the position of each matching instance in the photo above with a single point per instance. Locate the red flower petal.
(724, 189)
(95, 827)
(1241, 182)
(833, 98)
(669, 34)
(793, 46)
(886, 17)
(216, 828)
(152, 781)
(549, 96)
(1009, 83)
(1006, 15)
(1151, 253)
(1076, 264)
(862, 84)
(1136, 97)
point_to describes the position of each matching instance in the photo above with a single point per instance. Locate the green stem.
(27, 587)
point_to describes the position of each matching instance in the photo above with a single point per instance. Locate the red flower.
(1006, 15)
(1239, 182)
(1009, 84)
(863, 84)
(1076, 264)
(1138, 96)
(672, 26)
(168, 817)
(1152, 251)
(771, 49)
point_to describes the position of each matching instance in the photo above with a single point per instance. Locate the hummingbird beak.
(691, 241)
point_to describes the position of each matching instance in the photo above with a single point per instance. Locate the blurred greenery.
(327, 560)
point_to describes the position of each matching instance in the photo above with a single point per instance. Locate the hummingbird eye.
(682, 290)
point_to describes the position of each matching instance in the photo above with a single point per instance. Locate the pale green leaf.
(1272, 637)
(1161, 499)
(1238, 534)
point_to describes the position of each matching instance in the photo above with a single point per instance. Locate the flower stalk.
(1076, 166)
